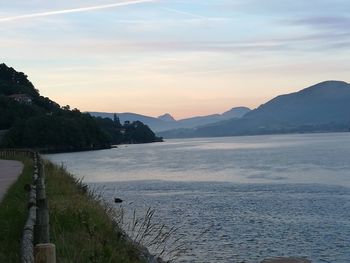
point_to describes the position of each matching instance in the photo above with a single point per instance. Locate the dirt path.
(9, 171)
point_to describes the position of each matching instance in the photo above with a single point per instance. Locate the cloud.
(196, 17)
(305, 43)
(73, 10)
(331, 22)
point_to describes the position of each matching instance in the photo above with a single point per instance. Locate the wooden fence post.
(42, 232)
(45, 253)
(28, 237)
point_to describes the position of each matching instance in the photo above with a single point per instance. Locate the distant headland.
(29, 120)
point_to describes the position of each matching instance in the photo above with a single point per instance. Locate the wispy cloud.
(73, 10)
(337, 23)
(196, 17)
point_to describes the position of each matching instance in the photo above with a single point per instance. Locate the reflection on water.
(256, 196)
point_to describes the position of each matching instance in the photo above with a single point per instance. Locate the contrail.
(184, 13)
(74, 10)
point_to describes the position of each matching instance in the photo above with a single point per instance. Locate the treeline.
(129, 132)
(34, 121)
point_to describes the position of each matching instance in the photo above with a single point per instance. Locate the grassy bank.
(80, 226)
(13, 214)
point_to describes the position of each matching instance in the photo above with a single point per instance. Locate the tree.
(116, 121)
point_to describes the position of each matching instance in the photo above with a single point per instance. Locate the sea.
(228, 199)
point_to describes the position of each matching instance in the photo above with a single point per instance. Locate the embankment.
(81, 227)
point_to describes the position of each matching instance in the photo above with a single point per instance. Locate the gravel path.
(9, 171)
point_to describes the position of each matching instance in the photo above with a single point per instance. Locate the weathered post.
(45, 253)
(42, 224)
(27, 255)
(27, 244)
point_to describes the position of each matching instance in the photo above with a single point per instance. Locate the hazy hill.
(325, 102)
(193, 122)
(319, 108)
(167, 122)
(166, 117)
(237, 112)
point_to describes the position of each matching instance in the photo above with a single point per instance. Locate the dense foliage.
(137, 132)
(134, 132)
(12, 82)
(42, 123)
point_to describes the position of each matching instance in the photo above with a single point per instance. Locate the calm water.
(234, 199)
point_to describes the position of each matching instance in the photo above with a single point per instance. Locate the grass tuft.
(146, 232)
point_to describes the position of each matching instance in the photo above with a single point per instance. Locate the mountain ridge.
(322, 107)
(162, 124)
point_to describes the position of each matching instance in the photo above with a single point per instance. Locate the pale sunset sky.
(192, 57)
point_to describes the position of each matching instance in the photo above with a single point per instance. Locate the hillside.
(322, 103)
(323, 107)
(29, 120)
(234, 113)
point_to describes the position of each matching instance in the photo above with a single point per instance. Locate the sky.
(183, 57)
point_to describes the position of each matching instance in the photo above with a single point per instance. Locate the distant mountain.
(167, 122)
(325, 102)
(237, 112)
(320, 108)
(166, 117)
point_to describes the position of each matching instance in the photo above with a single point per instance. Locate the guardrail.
(35, 246)
(8, 153)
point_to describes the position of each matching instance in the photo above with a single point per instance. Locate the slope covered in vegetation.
(35, 121)
(81, 227)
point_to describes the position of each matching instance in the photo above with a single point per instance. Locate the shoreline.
(72, 150)
(81, 226)
(72, 202)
